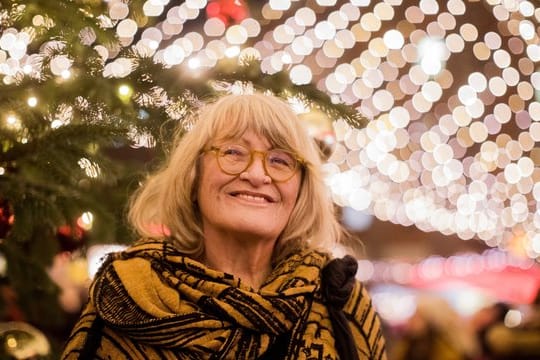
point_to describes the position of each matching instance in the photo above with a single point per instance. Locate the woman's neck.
(251, 261)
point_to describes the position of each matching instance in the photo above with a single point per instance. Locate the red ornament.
(6, 218)
(70, 237)
(228, 11)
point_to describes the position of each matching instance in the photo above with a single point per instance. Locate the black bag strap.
(337, 283)
(279, 348)
(93, 340)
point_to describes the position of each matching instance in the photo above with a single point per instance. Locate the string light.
(194, 63)
(65, 74)
(125, 92)
(32, 101)
(86, 221)
(91, 169)
(232, 51)
(13, 122)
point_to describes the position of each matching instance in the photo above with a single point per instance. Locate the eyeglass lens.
(279, 164)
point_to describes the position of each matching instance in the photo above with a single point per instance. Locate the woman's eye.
(281, 160)
(233, 152)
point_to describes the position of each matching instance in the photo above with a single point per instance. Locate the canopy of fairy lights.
(451, 89)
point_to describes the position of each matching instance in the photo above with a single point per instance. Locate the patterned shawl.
(153, 302)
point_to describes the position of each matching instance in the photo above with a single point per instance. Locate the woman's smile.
(253, 197)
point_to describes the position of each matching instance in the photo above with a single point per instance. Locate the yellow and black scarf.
(152, 302)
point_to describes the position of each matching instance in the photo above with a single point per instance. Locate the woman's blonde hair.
(165, 206)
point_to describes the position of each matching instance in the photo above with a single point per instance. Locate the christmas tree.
(89, 102)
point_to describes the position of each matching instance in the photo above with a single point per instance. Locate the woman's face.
(246, 206)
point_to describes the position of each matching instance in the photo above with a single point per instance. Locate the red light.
(213, 9)
(229, 11)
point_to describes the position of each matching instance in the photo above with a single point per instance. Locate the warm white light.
(59, 64)
(326, 2)
(301, 74)
(173, 54)
(125, 90)
(399, 117)
(252, 27)
(194, 63)
(393, 39)
(535, 243)
(193, 4)
(91, 169)
(214, 27)
(325, 30)
(302, 45)
(432, 53)
(432, 91)
(467, 95)
(55, 124)
(284, 34)
(429, 7)
(533, 52)
(236, 35)
(232, 51)
(86, 221)
(66, 74)
(305, 16)
(126, 28)
(527, 29)
(32, 101)
(12, 120)
(280, 5)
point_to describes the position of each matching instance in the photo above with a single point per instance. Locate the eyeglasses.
(279, 164)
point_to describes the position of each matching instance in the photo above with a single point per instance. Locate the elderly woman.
(237, 268)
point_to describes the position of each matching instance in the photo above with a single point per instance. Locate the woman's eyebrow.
(243, 141)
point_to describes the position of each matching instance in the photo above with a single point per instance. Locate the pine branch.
(175, 82)
(59, 19)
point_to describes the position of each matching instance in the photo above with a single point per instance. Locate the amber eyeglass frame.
(299, 162)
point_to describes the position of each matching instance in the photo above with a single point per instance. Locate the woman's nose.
(256, 172)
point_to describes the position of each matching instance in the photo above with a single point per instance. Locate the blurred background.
(429, 110)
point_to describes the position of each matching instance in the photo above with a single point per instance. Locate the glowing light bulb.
(32, 101)
(393, 39)
(86, 220)
(12, 120)
(432, 53)
(65, 74)
(194, 63)
(232, 51)
(125, 92)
